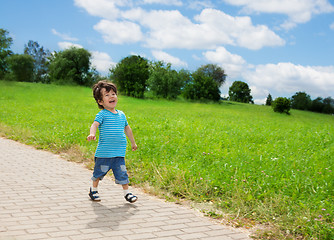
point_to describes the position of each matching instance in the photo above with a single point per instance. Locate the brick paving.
(46, 197)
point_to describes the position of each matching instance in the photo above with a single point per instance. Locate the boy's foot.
(130, 198)
(94, 195)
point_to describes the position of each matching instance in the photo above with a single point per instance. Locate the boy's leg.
(101, 168)
(96, 184)
(122, 178)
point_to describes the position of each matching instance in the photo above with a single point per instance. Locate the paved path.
(46, 197)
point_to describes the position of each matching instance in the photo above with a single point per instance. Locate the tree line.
(302, 101)
(134, 75)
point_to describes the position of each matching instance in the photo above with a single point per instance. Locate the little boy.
(111, 147)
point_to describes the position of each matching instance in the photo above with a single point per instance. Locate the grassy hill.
(250, 164)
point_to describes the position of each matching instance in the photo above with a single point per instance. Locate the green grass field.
(250, 164)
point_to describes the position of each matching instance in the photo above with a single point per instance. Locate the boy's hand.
(91, 138)
(134, 147)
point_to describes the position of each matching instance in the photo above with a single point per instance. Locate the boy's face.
(109, 99)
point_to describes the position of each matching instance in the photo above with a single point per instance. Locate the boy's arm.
(92, 131)
(129, 134)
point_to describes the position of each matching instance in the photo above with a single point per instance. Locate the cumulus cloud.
(287, 79)
(238, 31)
(232, 64)
(102, 8)
(102, 61)
(119, 32)
(163, 2)
(171, 29)
(66, 45)
(199, 5)
(296, 10)
(167, 58)
(63, 36)
(162, 29)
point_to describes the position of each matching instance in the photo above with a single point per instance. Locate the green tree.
(71, 66)
(5, 52)
(185, 77)
(301, 101)
(215, 72)
(21, 67)
(281, 105)
(240, 92)
(328, 105)
(317, 105)
(202, 87)
(131, 75)
(40, 57)
(269, 100)
(165, 82)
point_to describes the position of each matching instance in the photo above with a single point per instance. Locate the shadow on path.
(109, 218)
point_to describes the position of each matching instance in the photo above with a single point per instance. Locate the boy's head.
(97, 90)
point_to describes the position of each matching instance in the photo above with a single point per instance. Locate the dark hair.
(97, 90)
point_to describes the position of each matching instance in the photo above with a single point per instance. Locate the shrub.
(281, 105)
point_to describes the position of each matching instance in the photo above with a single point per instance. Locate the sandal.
(130, 198)
(94, 195)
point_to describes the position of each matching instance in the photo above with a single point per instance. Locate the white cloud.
(102, 61)
(232, 64)
(102, 8)
(63, 36)
(199, 5)
(66, 45)
(161, 29)
(167, 58)
(286, 79)
(170, 29)
(163, 2)
(296, 10)
(119, 32)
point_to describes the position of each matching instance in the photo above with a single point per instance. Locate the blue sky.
(276, 46)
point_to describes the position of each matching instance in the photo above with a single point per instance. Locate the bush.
(281, 105)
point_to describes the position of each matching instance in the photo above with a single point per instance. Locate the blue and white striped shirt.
(112, 139)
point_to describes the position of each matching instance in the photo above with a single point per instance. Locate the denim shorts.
(117, 164)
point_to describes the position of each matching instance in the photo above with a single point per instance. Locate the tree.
(40, 57)
(240, 92)
(130, 75)
(185, 76)
(328, 105)
(5, 52)
(281, 105)
(301, 101)
(71, 66)
(21, 67)
(202, 87)
(165, 82)
(269, 100)
(215, 72)
(317, 105)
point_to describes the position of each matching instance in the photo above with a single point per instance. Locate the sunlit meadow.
(250, 164)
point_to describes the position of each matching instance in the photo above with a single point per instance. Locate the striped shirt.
(112, 140)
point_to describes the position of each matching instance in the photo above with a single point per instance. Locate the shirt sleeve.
(125, 121)
(99, 117)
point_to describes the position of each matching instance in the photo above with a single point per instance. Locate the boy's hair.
(98, 87)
